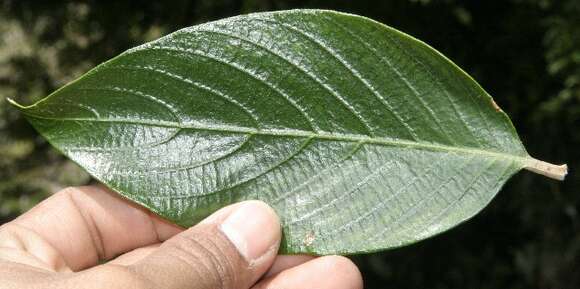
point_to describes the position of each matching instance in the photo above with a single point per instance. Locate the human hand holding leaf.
(361, 137)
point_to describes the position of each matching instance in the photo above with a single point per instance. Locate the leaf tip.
(557, 172)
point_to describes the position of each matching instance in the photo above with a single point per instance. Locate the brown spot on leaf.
(309, 238)
(495, 106)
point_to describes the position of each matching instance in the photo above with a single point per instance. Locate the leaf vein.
(310, 179)
(268, 84)
(399, 218)
(195, 84)
(346, 194)
(340, 59)
(436, 80)
(465, 191)
(298, 133)
(383, 99)
(336, 95)
(232, 151)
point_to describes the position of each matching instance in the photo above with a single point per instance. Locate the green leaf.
(361, 137)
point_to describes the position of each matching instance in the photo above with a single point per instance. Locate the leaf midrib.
(300, 133)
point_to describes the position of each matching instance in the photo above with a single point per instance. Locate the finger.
(80, 226)
(281, 263)
(138, 254)
(231, 249)
(135, 256)
(330, 272)
(284, 262)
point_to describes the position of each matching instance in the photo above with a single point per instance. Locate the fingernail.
(254, 229)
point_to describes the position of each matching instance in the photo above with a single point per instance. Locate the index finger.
(86, 225)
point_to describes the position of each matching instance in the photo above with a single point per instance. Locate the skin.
(88, 237)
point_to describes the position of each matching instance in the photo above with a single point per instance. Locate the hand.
(64, 242)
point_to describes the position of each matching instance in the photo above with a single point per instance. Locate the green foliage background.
(526, 53)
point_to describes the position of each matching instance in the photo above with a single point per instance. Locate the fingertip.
(253, 227)
(344, 267)
(313, 274)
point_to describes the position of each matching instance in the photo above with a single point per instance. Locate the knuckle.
(72, 190)
(212, 257)
(66, 192)
(117, 276)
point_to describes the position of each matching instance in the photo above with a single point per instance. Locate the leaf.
(361, 137)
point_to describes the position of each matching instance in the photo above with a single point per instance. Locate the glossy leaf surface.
(361, 137)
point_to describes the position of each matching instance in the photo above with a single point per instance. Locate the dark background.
(526, 53)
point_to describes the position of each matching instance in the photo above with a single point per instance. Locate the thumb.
(230, 249)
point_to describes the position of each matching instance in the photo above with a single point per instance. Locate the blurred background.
(525, 53)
